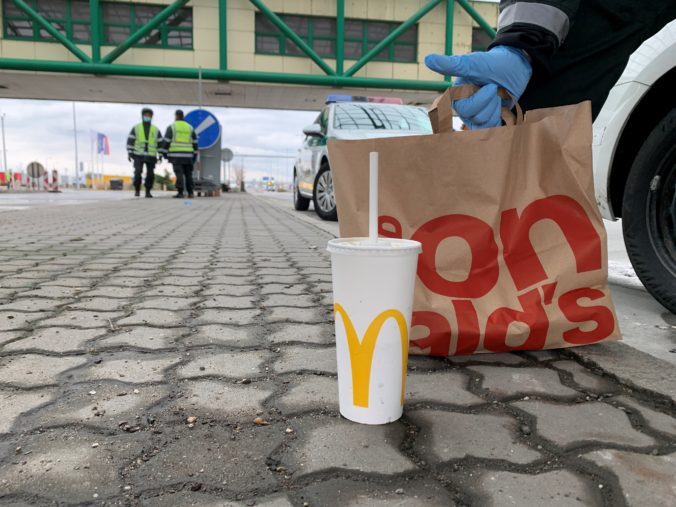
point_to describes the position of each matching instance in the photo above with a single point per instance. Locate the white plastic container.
(373, 286)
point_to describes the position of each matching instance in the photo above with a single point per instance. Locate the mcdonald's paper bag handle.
(441, 112)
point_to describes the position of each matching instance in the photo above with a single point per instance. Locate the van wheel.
(649, 212)
(323, 196)
(299, 202)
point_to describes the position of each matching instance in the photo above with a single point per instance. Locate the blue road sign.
(206, 127)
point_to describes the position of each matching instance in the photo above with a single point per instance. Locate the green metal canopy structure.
(332, 77)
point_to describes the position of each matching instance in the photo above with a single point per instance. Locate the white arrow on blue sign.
(206, 127)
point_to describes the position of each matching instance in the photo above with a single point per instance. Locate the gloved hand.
(502, 66)
(129, 157)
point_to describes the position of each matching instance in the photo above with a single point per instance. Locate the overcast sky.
(43, 131)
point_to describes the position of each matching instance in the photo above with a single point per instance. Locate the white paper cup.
(373, 300)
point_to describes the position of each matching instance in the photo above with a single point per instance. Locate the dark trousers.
(183, 172)
(138, 171)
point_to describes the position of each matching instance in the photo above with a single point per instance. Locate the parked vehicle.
(347, 117)
(635, 162)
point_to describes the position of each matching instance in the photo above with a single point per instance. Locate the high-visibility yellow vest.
(140, 141)
(181, 141)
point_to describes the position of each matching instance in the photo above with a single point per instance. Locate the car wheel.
(649, 212)
(299, 202)
(323, 195)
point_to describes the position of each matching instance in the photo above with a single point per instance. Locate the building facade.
(339, 32)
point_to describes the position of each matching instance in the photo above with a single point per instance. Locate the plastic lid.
(384, 246)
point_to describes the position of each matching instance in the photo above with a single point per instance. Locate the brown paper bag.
(514, 248)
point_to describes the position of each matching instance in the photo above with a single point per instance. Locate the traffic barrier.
(55, 181)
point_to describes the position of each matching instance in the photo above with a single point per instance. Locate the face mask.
(147, 119)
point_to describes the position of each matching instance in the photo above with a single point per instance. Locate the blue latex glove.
(502, 66)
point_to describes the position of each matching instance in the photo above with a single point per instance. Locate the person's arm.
(166, 142)
(131, 140)
(536, 27)
(529, 33)
(195, 148)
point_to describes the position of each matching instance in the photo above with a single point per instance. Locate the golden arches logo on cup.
(362, 351)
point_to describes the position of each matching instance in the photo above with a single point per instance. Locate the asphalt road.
(645, 324)
(13, 201)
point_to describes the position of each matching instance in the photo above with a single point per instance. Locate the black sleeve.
(194, 141)
(166, 141)
(538, 27)
(131, 139)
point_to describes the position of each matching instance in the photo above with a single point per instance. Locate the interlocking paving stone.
(310, 392)
(63, 464)
(29, 370)
(199, 499)
(228, 316)
(143, 337)
(112, 403)
(8, 336)
(488, 358)
(14, 403)
(559, 488)
(100, 304)
(171, 290)
(584, 422)
(236, 464)
(302, 358)
(412, 493)
(283, 288)
(584, 377)
(236, 295)
(128, 370)
(645, 480)
(229, 290)
(478, 435)
(229, 302)
(337, 443)
(32, 305)
(503, 381)
(309, 333)
(167, 303)
(658, 420)
(227, 364)
(287, 314)
(152, 318)
(225, 399)
(81, 318)
(215, 334)
(56, 339)
(300, 301)
(439, 387)
(17, 320)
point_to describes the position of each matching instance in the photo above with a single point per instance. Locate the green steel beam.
(284, 28)
(31, 13)
(340, 36)
(223, 34)
(95, 26)
(391, 37)
(477, 17)
(144, 30)
(448, 46)
(218, 75)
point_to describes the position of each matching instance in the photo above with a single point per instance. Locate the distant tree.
(165, 180)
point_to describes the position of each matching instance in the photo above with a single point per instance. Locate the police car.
(347, 117)
(634, 150)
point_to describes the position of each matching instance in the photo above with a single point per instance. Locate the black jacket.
(578, 48)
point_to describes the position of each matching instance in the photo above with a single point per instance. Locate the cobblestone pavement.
(140, 339)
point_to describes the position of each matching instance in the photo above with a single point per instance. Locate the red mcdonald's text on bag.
(526, 325)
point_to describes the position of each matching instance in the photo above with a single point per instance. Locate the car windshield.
(365, 116)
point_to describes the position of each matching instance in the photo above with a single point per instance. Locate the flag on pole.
(102, 144)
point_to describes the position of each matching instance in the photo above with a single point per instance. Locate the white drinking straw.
(373, 197)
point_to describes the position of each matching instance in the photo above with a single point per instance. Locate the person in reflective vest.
(143, 146)
(180, 148)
